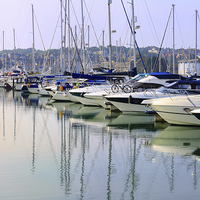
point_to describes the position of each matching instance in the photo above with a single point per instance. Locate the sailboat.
(16, 77)
(2, 76)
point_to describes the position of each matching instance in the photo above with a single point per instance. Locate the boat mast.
(88, 48)
(64, 54)
(103, 44)
(33, 49)
(88, 44)
(130, 51)
(133, 27)
(189, 61)
(14, 47)
(173, 42)
(83, 39)
(103, 50)
(69, 30)
(109, 30)
(75, 42)
(61, 48)
(3, 53)
(117, 56)
(196, 42)
(132, 33)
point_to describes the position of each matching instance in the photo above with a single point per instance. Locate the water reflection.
(116, 120)
(180, 140)
(81, 152)
(33, 154)
(3, 117)
(84, 121)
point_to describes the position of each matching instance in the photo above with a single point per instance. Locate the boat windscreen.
(147, 85)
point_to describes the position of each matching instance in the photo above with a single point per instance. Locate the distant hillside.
(121, 56)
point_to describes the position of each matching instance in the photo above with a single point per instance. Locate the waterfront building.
(188, 67)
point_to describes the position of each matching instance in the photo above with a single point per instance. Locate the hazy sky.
(152, 16)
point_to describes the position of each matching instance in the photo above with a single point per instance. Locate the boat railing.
(150, 92)
(108, 91)
(172, 92)
(190, 99)
(154, 93)
(98, 88)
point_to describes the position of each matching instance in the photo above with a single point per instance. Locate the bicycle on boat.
(116, 87)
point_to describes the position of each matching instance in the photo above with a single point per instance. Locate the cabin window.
(184, 86)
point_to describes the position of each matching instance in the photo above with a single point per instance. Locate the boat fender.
(75, 87)
(61, 88)
(82, 94)
(107, 103)
(151, 112)
(28, 85)
(130, 99)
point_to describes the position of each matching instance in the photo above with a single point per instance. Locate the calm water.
(67, 151)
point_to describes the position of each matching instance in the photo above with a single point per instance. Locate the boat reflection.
(115, 120)
(62, 106)
(34, 99)
(97, 116)
(64, 109)
(175, 142)
(180, 140)
(130, 122)
(87, 112)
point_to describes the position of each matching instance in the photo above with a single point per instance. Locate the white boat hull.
(72, 98)
(61, 96)
(87, 102)
(177, 115)
(2, 84)
(177, 110)
(99, 97)
(18, 86)
(34, 90)
(44, 92)
(101, 102)
(131, 108)
(64, 96)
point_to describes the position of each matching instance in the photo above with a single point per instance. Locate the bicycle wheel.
(127, 89)
(115, 88)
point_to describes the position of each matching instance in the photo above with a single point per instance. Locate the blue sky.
(152, 16)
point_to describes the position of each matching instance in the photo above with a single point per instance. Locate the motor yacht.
(178, 109)
(79, 93)
(147, 88)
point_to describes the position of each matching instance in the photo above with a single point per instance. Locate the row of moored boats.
(174, 97)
